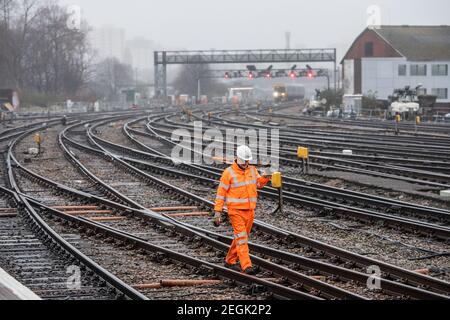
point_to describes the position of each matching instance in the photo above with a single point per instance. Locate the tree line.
(43, 54)
(50, 60)
(38, 49)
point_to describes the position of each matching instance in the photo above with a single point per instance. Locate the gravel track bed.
(52, 163)
(345, 234)
(30, 261)
(127, 265)
(388, 188)
(209, 193)
(394, 189)
(136, 267)
(202, 221)
(375, 241)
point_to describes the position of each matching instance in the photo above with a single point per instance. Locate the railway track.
(430, 180)
(405, 126)
(160, 168)
(321, 150)
(432, 171)
(43, 261)
(166, 246)
(395, 214)
(123, 229)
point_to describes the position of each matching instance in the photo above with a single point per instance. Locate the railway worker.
(238, 189)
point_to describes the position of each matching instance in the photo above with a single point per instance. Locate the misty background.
(145, 26)
(254, 24)
(112, 50)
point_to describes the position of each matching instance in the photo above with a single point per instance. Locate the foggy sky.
(252, 24)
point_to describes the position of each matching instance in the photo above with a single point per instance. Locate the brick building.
(383, 59)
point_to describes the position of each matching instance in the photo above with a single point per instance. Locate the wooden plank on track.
(190, 214)
(163, 209)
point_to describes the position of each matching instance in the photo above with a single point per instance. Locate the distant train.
(288, 92)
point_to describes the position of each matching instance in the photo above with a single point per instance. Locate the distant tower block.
(288, 40)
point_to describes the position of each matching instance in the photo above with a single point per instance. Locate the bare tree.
(110, 76)
(186, 81)
(39, 52)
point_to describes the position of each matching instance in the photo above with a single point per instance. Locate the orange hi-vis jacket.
(239, 189)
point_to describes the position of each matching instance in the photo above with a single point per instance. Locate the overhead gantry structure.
(164, 58)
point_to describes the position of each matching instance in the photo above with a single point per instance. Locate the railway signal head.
(310, 72)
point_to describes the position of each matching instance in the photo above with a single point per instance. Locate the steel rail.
(100, 141)
(392, 270)
(323, 287)
(359, 167)
(55, 241)
(401, 273)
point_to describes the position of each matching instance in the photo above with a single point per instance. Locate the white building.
(109, 42)
(391, 57)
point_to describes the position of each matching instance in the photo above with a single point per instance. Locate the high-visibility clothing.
(238, 189)
(242, 222)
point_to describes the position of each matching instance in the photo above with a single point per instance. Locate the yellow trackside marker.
(418, 120)
(277, 180)
(277, 183)
(398, 118)
(303, 153)
(37, 138)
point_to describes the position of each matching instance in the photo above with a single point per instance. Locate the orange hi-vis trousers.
(242, 222)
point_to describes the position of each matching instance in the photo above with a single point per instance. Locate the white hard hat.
(244, 153)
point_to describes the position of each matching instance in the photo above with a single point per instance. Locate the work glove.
(217, 219)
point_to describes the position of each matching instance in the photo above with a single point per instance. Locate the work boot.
(234, 267)
(252, 271)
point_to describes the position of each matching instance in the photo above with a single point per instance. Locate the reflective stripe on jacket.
(238, 189)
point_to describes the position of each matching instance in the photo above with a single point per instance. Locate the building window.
(421, 92)
(418, 70)
(440, 93)
(439, 70)
(368, 49)
(402, 70)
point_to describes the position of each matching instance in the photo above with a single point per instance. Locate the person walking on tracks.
(238, 190)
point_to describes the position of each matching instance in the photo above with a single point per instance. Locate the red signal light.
(251, 75)
(292, 75)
